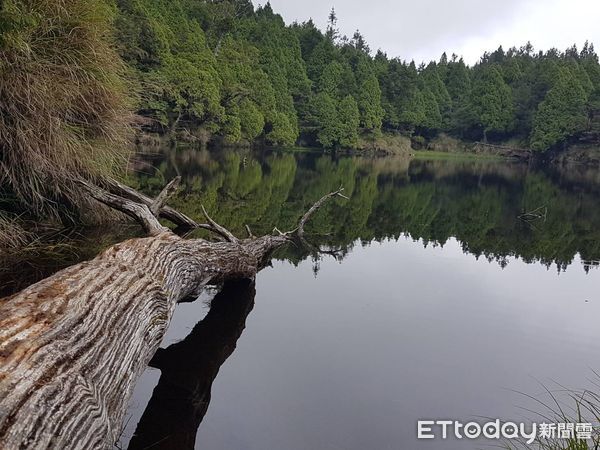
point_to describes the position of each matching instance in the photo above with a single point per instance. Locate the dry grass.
(63, 107)
(12, 235)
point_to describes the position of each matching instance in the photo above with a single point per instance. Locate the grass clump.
(63, 103)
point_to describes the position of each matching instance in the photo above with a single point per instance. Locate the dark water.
(438, 300)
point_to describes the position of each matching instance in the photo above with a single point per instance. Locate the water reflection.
(188, 368)
(480, 203)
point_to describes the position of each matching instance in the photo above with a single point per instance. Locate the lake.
(444, 288)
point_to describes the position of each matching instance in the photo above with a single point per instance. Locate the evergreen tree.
(458, 84)
(369, 104)
(561, 114)
(349, 118)
(242, 73)
(432, 82)
(432, 118)
(328, 122)
(491, 100)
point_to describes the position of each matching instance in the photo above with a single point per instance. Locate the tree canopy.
(240, 72)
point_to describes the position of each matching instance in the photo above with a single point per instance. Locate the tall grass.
(564, 406)
(63, 102)
(12, 234)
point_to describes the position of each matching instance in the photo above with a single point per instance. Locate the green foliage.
(349, 117)
(561, 114)
(432, 117)
(369, 104)
(339, 120)
(240, 72)
(252, 120)
(326, 114)
(432, 82)
(491, 100)
(413, 112)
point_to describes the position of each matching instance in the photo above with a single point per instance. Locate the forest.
(239, 72)
(76, 74)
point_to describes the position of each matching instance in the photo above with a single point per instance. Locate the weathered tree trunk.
(73, 345)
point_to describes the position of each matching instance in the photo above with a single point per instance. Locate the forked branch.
(147, 210)
(159, 209)
(178, 218)
(137, 211)
(164, 195)
(300, 230)
(219, 229)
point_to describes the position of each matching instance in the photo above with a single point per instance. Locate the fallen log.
(73, 345)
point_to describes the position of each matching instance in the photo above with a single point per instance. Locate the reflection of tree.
(476, 202)
(188, 368)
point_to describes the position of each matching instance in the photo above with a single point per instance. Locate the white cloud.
(423, 30)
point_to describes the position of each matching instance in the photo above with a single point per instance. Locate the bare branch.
(315, 207)
(164, 195)
(137, 211)
(165, 212)
(219, 229)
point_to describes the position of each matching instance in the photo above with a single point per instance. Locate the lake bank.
(387, 144)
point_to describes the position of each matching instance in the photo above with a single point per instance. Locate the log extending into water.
(73, 345)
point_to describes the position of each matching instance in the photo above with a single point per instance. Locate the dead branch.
(219, 229)
(164, 195)
(315, 207)
(138, 211)
(165, 212)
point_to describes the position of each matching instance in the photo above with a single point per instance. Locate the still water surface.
(438, 303)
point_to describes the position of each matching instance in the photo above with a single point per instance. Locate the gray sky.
(423, 29)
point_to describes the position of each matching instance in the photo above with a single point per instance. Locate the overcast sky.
(423, 29)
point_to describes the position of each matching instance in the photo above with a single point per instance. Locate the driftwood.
(73, 345)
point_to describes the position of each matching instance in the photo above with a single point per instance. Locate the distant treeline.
(232, 70)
